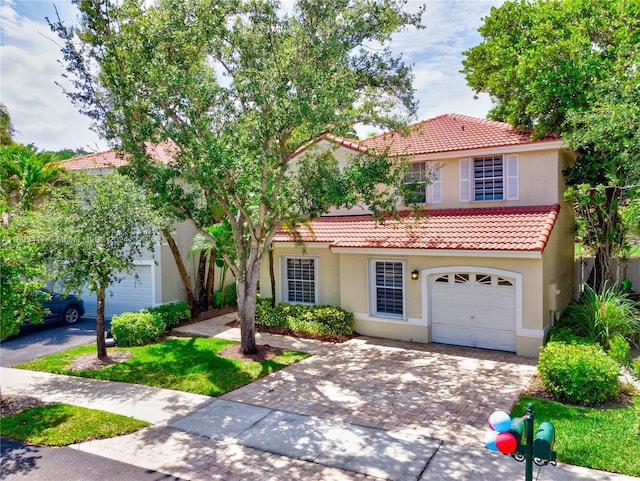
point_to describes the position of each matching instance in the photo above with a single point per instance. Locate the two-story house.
(489, 265)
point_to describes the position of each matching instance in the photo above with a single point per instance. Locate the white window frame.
(373, 298)
(285, 278)
(433, 187)
(510, 179)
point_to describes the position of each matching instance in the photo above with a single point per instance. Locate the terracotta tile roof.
(492, 228)
(352, 144)
(161, 152)
(450, 133)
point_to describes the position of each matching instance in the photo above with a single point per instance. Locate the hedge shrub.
(326, 320)
(578, 373)
(137, 328)
(172, 313)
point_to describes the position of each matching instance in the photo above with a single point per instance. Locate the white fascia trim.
(390, 252)
(505, 149)
(302, 245)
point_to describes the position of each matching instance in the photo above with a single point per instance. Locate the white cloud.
(44, 116)
(40, 112)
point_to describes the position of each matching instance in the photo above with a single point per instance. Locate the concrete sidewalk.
(197, 437)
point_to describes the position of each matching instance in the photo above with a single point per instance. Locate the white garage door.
(129, 295)
(473, 309)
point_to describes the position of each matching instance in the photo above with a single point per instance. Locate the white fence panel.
(621, 270)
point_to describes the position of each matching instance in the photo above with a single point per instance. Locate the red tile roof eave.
(535, 241)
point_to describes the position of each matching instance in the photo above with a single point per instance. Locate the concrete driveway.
(437, 391)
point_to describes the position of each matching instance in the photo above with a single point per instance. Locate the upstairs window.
(492, 177)
(488, 178)
(427, 179)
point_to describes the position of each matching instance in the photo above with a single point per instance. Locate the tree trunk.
(201, 287)
(184, 277)
(210, 279)
(102, 346)
(272, 276)
(247, 294)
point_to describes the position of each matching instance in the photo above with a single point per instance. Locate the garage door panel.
(130, 294)
(475, 310)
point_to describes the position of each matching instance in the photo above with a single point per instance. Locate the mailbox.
(518, 430)
(543, 442)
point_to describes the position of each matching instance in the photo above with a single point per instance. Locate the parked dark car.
(68, 309)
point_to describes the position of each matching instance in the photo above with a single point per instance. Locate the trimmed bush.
(325, 320)
(619, 350)
(172, 313)
(567, 336)
(229, 294)
(578, 373)
(137, 328)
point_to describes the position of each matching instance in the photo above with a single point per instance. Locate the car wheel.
(71, 315)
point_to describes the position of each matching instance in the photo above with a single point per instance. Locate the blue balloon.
(490, 440)
(500, 421)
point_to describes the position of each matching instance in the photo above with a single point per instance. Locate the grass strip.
(63, 424)
(599, 438)
(185, 364)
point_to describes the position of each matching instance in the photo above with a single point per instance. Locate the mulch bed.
(301, 335)
(265, 353)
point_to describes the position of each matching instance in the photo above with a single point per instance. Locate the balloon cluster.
(500, 438)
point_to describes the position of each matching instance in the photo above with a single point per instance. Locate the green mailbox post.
(518, 440)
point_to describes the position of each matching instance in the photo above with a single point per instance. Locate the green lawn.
(185, 364)
(605, 439)
(62, 425)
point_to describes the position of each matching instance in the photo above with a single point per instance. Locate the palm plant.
(27, 176)
(602, 316)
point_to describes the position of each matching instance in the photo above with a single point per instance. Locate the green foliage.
(636, 367)
(596, 438)
(229, 294)
(184, 364)
(6, 127)
(62, 425)
(158, 69)
(137, 328)
(171, 314)
(618, 348)
(578, 373)
(601, 317)
(570, 68)
(626, 284)
(27, 176)
(566, 335)
(93, 232)
(326, 320)
(22, 274)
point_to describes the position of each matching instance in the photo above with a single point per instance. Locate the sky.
(42, 115)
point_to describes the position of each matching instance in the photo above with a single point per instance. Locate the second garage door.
(473, 309)
(128, 295)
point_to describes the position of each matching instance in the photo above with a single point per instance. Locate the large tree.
(93, 232)
(570, 67)
(27, 176)
(238, 87)
(22, 276)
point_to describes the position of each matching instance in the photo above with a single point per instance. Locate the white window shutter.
(512, 180)
(435, 188)
(465, 180)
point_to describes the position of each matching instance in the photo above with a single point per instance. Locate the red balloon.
(506, 443)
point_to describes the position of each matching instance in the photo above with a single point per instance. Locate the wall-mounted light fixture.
(415, 275)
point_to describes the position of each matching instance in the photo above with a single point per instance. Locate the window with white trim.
(388, 288)
(427, 178)
(300, 280)
(493, 177)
